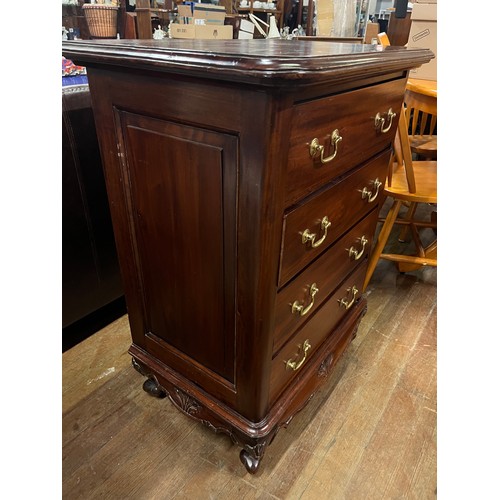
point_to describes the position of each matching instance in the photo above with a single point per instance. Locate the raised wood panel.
(183, 201)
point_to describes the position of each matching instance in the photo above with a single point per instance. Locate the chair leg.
(430, 259)
(434, 219)
(409, 216)
(429, 253)
(381, 241)
(418, 242)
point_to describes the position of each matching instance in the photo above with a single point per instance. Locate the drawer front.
(301, 298)
(354, 116)
(288, 362)
(343, 205)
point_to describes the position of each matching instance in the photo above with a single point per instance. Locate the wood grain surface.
(272, 62)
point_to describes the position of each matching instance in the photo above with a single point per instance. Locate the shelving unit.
(258, 11)
(362, 12)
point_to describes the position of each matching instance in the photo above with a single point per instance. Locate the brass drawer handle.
(370, 194)
(356, 254)
(308, 237)
(344, 302)
(380, 122)
(294, 365)
(316, 148)
(297, 307)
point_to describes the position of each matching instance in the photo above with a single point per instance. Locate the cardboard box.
(324, 17)
(246, 30)
(210, 14)
(424, 1)
(423, 34)
(201, 32)
(372, 30)
(185, 14)
(424, 12)
(201, 21)
(201, 14)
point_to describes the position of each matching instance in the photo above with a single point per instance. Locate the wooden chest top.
(273, 62)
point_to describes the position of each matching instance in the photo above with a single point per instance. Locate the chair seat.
(425, 145)
(425, 178)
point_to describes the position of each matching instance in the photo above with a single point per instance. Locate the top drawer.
(361, 119)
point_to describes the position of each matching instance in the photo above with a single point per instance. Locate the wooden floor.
(370, 436)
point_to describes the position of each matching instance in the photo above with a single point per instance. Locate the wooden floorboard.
(370, 433)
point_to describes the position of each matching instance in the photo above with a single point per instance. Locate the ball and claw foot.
(251, 463)
(152, 387)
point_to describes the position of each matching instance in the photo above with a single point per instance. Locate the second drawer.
(341, 205)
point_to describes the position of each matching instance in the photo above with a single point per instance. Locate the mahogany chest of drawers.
(244, 179)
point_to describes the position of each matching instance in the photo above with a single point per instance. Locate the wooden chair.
(383, 39)
(409, 182)
(421, 115)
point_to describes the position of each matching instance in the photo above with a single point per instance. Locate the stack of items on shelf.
(202, 21)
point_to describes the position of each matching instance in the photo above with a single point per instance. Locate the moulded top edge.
(273, 60)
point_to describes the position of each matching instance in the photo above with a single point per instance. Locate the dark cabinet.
(90, 270)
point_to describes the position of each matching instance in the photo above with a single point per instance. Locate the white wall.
(379, 5)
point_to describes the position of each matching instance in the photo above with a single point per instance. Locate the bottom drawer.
(295, 353)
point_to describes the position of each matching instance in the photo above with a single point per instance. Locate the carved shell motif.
(186, 403)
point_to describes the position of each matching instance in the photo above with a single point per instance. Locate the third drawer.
(322, 275)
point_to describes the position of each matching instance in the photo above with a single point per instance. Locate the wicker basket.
(101, 20)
